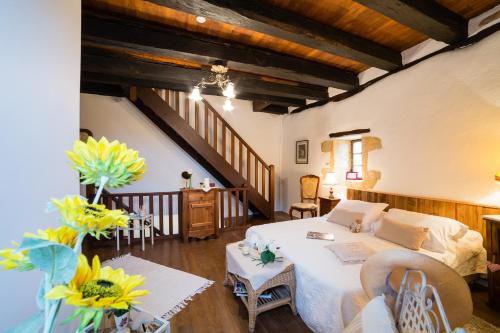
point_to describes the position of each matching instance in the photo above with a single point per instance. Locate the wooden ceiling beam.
(274, 109)
(425, 16)
(271, 20)
(101, 88)
(109, 80)
(105, 61)
(138, 35)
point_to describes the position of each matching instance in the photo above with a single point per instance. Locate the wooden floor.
(217, 310)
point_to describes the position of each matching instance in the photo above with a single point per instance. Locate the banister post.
(245, 204)
(272, 190)
(133, 94)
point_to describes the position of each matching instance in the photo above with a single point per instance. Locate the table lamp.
(330, 180)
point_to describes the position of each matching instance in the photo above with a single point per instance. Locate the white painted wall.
(40, 84)
(439, 122)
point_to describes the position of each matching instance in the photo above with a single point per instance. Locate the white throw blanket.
(250, 269)
(329, 294)
(170, 289)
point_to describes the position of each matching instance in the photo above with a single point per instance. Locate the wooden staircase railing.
(223, 139)
(167, 212)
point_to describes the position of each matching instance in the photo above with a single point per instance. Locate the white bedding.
(329, 294)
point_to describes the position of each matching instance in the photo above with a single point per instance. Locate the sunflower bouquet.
(92, 289)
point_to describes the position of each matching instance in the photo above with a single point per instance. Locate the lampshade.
(497, 176)
(330, 179)
(195, 94)
(228, 107)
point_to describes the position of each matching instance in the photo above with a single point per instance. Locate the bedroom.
(385, 136)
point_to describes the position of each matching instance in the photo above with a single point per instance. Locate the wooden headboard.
(467, 213)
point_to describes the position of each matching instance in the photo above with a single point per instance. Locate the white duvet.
(329, 294)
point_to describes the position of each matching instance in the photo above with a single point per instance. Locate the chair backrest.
(418, 307)
(309, 186)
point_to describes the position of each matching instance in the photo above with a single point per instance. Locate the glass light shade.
(195, 94)
(228, 106)
(330, 179)
(229, 91)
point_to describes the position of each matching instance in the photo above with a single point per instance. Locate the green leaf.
(29, 243)
(97, 320)
(73, 316)
(31, 325)
(88, 315)
(59, 261)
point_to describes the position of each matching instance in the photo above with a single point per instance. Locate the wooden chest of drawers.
(199, 213)
(492, 243)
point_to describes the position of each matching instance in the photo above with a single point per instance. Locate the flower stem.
(54, 309)
(79, 242)
(104, 180)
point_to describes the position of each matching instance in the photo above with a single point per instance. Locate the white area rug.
(170, 289)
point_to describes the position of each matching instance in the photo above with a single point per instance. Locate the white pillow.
(443, 231)
(376, 317)
(371, 210)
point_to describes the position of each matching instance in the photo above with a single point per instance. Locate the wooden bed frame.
(467, 213)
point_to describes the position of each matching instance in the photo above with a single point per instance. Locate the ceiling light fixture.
(201, 19)
(228, 106)
(219, 77)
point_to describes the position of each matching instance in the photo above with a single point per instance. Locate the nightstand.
(492, 244)
(326, 204)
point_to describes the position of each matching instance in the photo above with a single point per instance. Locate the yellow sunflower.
(19, 260)
(63, 235)
(99, 288)
(94, 219)
(114, 160)
(15, 260)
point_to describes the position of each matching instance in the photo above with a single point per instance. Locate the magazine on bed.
(320, 235)
(351, 253)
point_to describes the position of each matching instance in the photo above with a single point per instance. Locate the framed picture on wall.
(302, 152)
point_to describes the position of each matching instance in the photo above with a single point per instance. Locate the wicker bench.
(281, 287)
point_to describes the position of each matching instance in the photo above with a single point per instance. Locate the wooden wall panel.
(467, 213)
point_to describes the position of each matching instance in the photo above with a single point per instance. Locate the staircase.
(202, 132)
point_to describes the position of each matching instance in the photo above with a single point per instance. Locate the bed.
(329, 294)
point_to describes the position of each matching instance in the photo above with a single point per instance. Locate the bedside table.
(326, 204)
(492, 242)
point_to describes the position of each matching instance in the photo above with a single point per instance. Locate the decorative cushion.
(443, 231)
(376, 317)
(304, 205)
(407, 235)
(372, 211)
(345, 217)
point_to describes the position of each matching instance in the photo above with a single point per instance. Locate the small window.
(357, 157)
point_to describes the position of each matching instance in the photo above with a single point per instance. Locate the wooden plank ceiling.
(280, 52)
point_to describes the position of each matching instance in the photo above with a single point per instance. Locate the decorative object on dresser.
(187, 175)
(330, 180)
(302, 152)
(327, 204)
(275, 282)
(309, 185)
(199, 213)
(492, 242)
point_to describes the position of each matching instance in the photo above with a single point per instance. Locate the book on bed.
(351, 253)
(320, 235)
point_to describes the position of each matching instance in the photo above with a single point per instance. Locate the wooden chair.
(309, 186)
